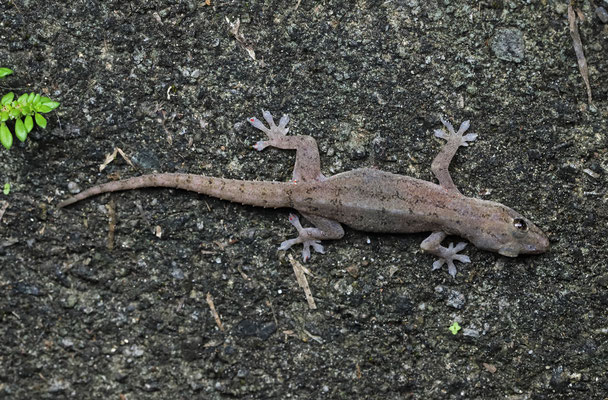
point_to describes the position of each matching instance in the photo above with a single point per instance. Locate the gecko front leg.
(441, 163)
(440, 168)
(307, 168)
(447, 255)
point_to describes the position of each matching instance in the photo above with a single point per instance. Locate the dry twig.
(216, 316)
(578, 49)
(240, 39)
(300, 272)
(3, 207)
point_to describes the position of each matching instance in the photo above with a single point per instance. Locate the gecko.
(364, 199)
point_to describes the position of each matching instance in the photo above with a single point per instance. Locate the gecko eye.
(520, 224)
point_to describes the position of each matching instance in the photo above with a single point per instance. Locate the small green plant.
(454, 328)
(21, 110)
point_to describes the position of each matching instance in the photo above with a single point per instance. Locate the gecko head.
(508, 233)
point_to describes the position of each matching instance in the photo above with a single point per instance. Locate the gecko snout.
(536, 242)
(540, 246)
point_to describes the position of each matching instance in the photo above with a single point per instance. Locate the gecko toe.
(460, 246)
(287, 244)
(268, 117)
(306, 252)
(452, 269)
(260, 145)
(447, 124)
(469, 137)
(256, 123)
(462, 258)
(437, 264)
(284, 121)
(464, 126)
(440, 133)
(317, 246)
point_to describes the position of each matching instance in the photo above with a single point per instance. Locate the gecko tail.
(255, 193)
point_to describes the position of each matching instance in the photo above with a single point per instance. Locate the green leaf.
(30, 97)
(51, 104)
(7, 98)
(29, 123)
(43, 108)
(14, 113)
(22, 99)
(20, 130)
(7, 188)
(3, 116)
(40, 120)
(5, 71)
(36, 99)
(6, 137)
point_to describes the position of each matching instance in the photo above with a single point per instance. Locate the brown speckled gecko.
(364, 199)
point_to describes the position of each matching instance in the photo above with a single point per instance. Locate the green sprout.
(5, 71)
(7, 188)
(454, 328)
(21, 110)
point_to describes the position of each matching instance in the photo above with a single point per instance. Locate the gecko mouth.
(508, 251)
(532, 249)
(513, 251)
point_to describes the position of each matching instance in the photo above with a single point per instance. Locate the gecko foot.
(450, 254)
(469, 137)
(274, 133)
(304, 237)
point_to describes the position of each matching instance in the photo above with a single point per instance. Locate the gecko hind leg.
(447, 255)
(308, 162)
(441, 163)
(311, 237)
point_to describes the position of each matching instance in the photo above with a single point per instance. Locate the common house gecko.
(364, 199)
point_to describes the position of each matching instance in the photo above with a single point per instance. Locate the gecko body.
(364, 199)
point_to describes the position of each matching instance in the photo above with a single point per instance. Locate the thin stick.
(216, 316)
(578, 49)
(299, 270)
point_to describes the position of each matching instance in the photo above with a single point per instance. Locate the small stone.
(456, 299)
(508, 44)
(474, 333)
(73, 188)
(177, 273)
(602, 14)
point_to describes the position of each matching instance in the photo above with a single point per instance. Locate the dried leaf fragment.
(240, 39)
(3, 207)
(112, 157)
(578, 49)
(300, 272)
(216, 316)
(490, 368)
